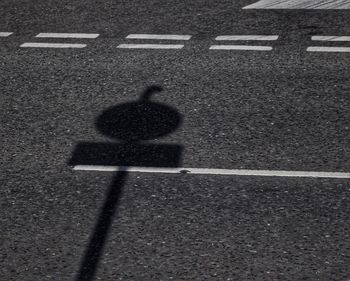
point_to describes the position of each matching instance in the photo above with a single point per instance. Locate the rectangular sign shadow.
(121, 154)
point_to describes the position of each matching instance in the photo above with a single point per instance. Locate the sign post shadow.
(133, 124)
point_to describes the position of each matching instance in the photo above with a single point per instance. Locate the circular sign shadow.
(140, 120)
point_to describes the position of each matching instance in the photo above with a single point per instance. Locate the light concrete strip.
(205, 171)
(149, 46)
(247, 37)
(328, 49)
(52, 45)
(68, 35)
(159, 36)
(5, 34)
(301, 4)
(331, 38)
(240, 47)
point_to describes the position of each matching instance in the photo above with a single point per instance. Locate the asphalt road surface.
(174, 140)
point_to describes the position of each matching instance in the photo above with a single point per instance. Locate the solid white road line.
(52, 45)
(328, 49)
(247, 37)
(205, 171)
(330, 38)
(159, 36)
(68, 35)
(5, 34)
(149, 46)
(300, 4)
(240, 47)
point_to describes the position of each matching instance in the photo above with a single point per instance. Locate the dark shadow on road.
(133, 125)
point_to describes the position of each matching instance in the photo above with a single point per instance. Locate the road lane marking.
(52, 45)
(247, 37)
(68, 35)
(149, 46)
(206, 171)
(159, 36)
(300, 4)
(331, 38)
(240, 47)
(328, 49)
(5, 34)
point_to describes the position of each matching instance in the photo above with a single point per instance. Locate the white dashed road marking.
(300, 4)
(331, 38)
(150, 46)
(52, 45)
(247, 37)
(60, 45)
(154, 37)
(68, 35)
(244, 38)
(5, 34)
(205, 171)
(159, 36)
(240, 47)
(237, 47)
(328, 49)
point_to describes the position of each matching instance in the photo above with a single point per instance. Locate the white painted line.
(159, 36)
(68, 35)
(240, 47)
(52, 45)
(331, 38)
(149, 46)
(205, 171)
(5, 34)
(328, 49)
(247, 37)
(301, 4)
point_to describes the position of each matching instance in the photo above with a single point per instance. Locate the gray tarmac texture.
(286, 109)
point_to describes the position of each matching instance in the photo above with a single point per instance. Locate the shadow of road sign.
(115, 154)
(133, 125)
